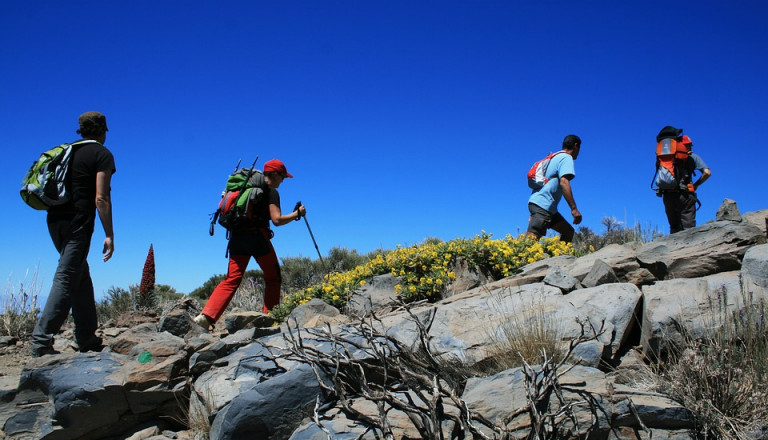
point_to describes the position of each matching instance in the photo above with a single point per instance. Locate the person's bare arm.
(278, 219)
(104, 208)
(565, 186)
(704, 176)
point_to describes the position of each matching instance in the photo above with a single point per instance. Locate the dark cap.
(669, 132)
(90, 121)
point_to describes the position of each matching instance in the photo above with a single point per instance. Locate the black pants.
(681, 210)
(541, 220)
(72, 287)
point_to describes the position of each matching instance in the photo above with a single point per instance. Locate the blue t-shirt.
(550, 194)
(699, 163)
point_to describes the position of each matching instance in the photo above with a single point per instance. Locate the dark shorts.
(541, 220)
(254, 243)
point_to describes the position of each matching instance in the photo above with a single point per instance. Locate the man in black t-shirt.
(71, 227)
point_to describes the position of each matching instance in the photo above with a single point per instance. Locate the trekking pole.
(296, 208)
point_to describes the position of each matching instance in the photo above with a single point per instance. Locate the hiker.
(680, 201)
(543, 202)
(71, 227)
(252, 239)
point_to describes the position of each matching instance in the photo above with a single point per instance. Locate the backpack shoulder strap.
(549, 158)
(83, 142)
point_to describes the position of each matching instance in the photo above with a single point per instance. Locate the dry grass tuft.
(721, 377)
(20, 308)
(525, 336)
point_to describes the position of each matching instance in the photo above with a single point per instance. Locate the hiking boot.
(38, 351)
(204, 322)
(94, 343)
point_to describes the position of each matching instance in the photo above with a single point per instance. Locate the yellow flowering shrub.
(424, 270)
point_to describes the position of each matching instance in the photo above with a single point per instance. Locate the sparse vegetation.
(250, 295)
(521, 336)
(20, 308)
(721, 377)
(585, 240)
(427, 387)
(119, 301)
(198, 415)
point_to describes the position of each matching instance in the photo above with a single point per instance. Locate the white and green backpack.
(46, 184)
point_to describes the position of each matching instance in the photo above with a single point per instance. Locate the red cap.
(686, 140)
(276, 166)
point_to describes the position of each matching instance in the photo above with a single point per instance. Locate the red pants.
(225, 291)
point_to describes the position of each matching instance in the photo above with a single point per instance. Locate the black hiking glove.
(296, 210)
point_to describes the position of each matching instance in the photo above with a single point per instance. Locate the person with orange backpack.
(553, 182)
(676, 166)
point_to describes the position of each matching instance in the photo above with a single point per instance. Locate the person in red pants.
(252, 239)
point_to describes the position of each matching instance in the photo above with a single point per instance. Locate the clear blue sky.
(400, 120)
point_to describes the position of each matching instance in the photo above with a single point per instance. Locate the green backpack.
(46, 184)
(244, 189)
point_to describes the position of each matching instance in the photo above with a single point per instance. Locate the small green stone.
(145, 357)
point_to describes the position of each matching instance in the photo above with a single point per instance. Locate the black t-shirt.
(260, 213)
(87, 160)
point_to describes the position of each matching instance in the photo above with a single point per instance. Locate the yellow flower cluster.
(424, 270)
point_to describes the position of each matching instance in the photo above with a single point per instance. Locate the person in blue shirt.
(680, 204)
(543, 201)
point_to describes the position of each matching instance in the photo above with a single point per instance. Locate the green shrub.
(119, 301)
(585, 240)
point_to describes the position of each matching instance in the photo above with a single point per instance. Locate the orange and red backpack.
(673, 167)
(537, 175)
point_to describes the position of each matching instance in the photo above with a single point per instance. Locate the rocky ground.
(12, 360)
(15, 354)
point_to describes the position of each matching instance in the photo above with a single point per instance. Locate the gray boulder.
(678, 309)
(617, 305)
(59, 396)
(262, 375)
(466, 278)
(314, 313)
(272, 409)
(177, 322)
(757, 218)
(754, 271)
(601, 273)
(700, 251)
(620, 258)
(240, 320)
(535, 272)
(557, 277)
(496, 396)
(728, 211)
(469, 328)
(377, 294)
